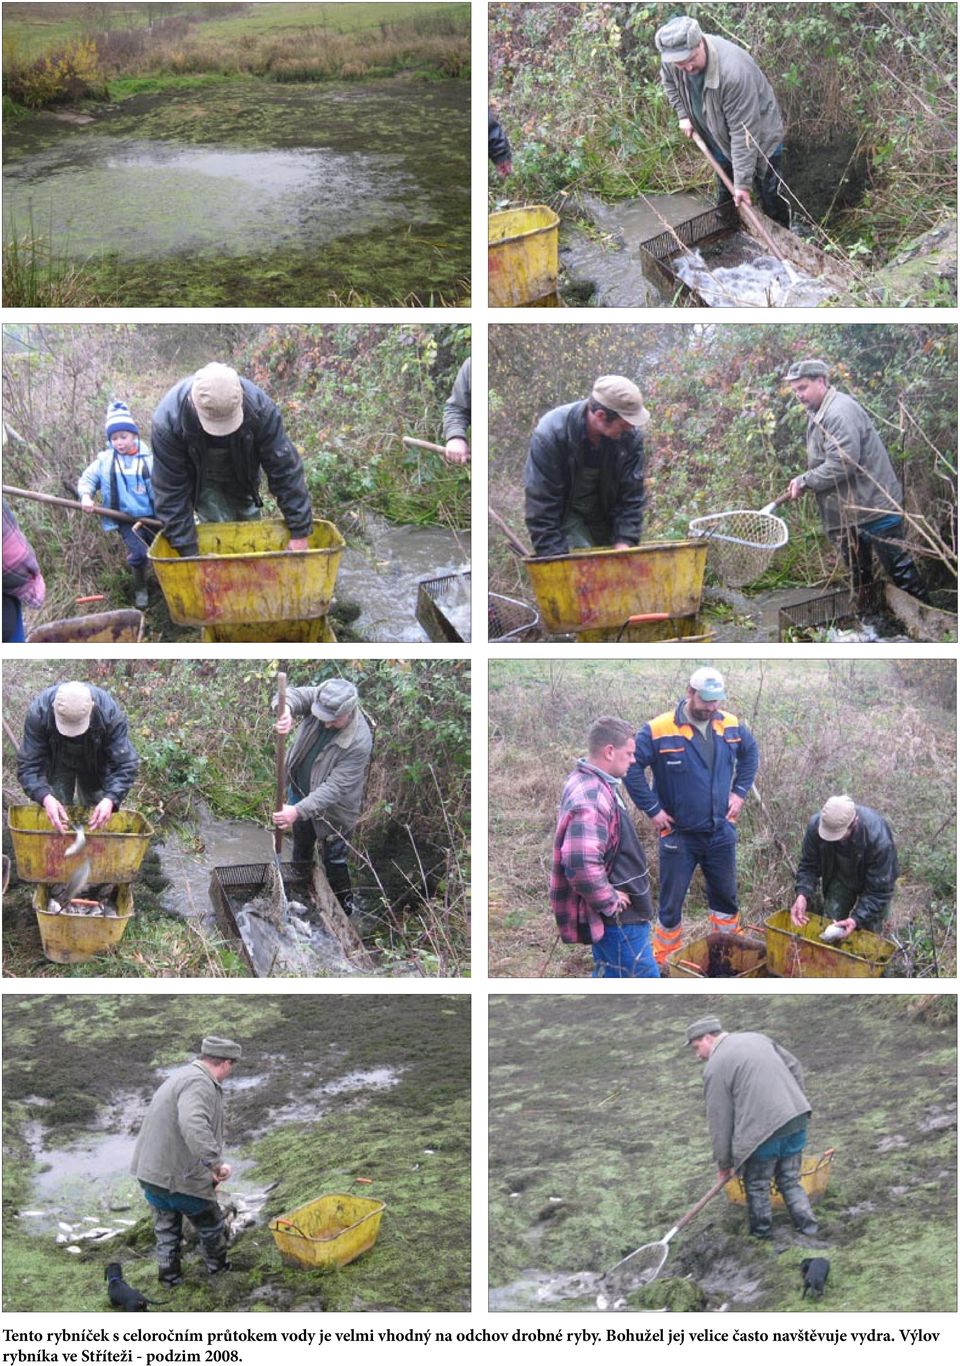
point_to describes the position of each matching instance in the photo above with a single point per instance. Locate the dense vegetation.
(726, 431)
(412, 838)
(809, 722)
(868, 93)
(347, 394)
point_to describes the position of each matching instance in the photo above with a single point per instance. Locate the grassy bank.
(594, 1151)
(52, 59)
(408, 1145)
(807, 718)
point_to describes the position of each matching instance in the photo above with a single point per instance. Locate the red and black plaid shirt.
(584, 846)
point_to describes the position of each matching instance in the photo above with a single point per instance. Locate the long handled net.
(741, 543)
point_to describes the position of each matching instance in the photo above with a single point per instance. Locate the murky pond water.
(219, 844)
(251, 192)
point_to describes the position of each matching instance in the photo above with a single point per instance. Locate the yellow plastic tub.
(523, 257)
(599, 590)
(115, 852)
(95, 629)
(814, 1177)
(720, 955)
(244, 576)
(317, 631)
(78, 938)
(800, 952)
(330, 1231)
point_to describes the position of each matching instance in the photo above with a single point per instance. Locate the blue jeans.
(624, 951)
(136, 543)
(681, 854)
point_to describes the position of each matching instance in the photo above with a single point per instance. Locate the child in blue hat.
(123, 475)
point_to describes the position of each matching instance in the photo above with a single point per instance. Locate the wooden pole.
(281, 762)
(78, 507)
(747, 210)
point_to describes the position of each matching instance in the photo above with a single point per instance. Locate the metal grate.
(509, 619)
(231, 887)
(663, 247)
(443, 607)
(830, 609)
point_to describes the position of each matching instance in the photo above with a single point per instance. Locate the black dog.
(123, 1296)
(815, 1272)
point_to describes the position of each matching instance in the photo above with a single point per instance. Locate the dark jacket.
(260, 443)
(498, 145)
(108, 755)
(876, 867)
(548, 479)
(695, 796)
(457, 409)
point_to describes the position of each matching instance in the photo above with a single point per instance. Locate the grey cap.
(334, 698)
(708, 1025)
(808, 369)
(215, 1047)
(678, 39)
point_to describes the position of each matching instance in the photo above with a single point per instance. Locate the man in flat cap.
(76, 749)
(702, 762)
(599, 883)
(326, 771)
(718, 90)
(758, 1115)
(583, 478)
(848, 855)
(213, 434)
(178, 1158)
(849, 471)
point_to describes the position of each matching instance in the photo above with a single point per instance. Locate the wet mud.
(313, 190)
(369, 1096)
(595, 1151)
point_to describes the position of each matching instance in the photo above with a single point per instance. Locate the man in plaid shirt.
(23, 584)
(599, 884)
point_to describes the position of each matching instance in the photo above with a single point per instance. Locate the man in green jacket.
(718, 90)
(178, 1158)
(848, 469)
(326, 771)
(757, 1113)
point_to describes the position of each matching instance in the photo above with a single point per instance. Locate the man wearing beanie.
(123, 476)
(851, 475)
(583, 479)
(213, 434)
(849, 855)
(178, 1158)
(758, 1116)
(718, 90)
(326, 771)
(702, 762)
(75, 748)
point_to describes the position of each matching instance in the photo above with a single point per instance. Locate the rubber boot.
(337, 869)
(898, 562)
(212, 1236)
(757, 1176)
(140, 596)
(794, 1196)
(168, 1229)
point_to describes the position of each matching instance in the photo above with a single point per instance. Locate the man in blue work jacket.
(703, 762)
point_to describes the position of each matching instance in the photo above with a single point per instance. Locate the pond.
(245, 192)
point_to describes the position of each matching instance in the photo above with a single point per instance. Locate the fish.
(64, 1228)
(32, 1213)
(79, 879)
(831, 934)
(75, 1250)
(78, 844)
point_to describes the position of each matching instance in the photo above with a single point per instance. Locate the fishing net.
(742, 543)
(509, 619)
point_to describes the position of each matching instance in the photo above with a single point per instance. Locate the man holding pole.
(720, 93)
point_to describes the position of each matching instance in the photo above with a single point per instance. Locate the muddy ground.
(598, 1143)
(376, 1103)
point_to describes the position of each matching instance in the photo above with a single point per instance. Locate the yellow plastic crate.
(243, 574)
(329, 1231)
(798, 951)
(601, 589)
(523, 256)
(115, 852)
(77, 938)
(814, 1178)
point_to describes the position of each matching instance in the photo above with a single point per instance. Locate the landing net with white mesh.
(742, 543)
